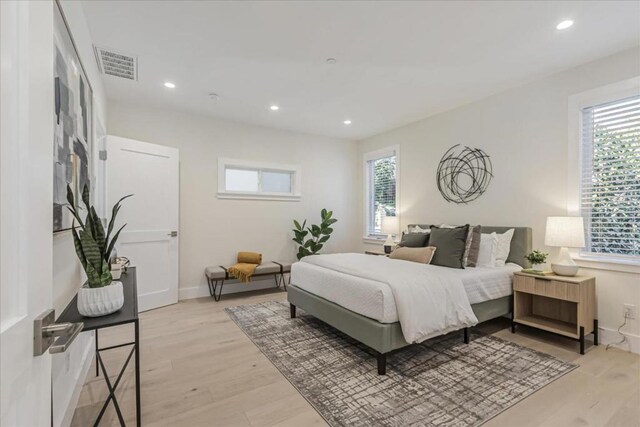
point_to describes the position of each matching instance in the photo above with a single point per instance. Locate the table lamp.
(390, 226)
(564, 232)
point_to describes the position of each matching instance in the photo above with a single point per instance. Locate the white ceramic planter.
(537, 267)
(96, 302)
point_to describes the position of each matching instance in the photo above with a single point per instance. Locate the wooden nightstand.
(558, 304)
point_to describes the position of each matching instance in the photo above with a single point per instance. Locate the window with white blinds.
(610, 190)
(381, 171)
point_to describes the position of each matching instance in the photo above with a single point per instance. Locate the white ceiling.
(397, 62)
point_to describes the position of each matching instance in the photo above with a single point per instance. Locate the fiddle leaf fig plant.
(320, 234)
(93, 245)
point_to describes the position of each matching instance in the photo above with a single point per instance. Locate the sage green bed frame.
(387, 337)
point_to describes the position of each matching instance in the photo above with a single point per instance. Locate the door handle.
(173, 234)
(56, 337)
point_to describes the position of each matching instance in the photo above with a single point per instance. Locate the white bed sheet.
(375, 300)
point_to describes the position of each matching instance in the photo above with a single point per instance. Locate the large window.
(381, 186)
(610, 180)
(240, 179)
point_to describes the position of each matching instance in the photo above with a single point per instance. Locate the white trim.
(595, 262)
(577, 102)
(87, 359)
(258, 196)
(374, 155)
(294, 170)
(609, 336)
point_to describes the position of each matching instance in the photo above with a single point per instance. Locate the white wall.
(213, 230)
(69, 369)
(525, 132)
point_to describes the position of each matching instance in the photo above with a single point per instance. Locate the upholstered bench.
(216, 275)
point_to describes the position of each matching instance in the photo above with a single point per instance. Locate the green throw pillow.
(414, 240)
(450, 245)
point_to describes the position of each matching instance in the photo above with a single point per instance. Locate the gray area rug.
(441, 382)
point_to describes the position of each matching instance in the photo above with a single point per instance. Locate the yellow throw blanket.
(246, 266)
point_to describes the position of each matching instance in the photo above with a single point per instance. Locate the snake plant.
(93, 245)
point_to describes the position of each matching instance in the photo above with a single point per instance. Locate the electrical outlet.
(67, 362)
(629, 311)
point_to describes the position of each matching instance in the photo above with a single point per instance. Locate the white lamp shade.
(565, 231)
(390, 225)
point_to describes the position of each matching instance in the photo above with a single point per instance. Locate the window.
(381, 188)
(610, 179)
(240, 179)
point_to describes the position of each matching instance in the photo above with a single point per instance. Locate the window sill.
(372, 240)
(608, 263)
(260, 196)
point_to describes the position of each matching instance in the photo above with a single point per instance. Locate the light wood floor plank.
(200, 369)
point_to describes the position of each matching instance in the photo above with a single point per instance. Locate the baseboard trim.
(610, 336)
(87, 358)
(229, 288)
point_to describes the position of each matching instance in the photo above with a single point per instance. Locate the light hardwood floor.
(200, 369)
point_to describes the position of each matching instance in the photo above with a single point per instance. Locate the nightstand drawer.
(562, 290)
(547, 288)
(524, 284)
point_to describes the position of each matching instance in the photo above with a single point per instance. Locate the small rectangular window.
(276, 181)
(241, 179)
(244, 180)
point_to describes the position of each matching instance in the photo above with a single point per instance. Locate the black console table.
(127, 314)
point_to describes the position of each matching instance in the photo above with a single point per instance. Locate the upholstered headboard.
(520, 244)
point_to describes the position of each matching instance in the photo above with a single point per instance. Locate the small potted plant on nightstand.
(100, 295)
(537, 260)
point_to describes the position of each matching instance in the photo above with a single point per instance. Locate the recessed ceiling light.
(274, 108)
(331, 60)
(564, 24)
(169, 85)
(347, 122)
(214, 96)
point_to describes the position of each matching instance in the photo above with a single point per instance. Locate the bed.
(366, 311)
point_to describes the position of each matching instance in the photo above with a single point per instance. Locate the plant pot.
(537, 267)
(96, 302)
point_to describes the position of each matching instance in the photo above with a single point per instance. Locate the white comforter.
(431, 301)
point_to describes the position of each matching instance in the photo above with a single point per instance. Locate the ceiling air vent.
(117, 64)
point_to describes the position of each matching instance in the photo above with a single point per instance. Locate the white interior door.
(150, 172)
(26, 220)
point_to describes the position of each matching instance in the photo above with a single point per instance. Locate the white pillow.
(504, 246)
(487, 252)
(418, 229)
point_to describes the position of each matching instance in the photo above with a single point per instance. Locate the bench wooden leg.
(292, 310)
(466, 335)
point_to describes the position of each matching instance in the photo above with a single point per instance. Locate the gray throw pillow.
(473, 246)
(450, 246)
(414, 240)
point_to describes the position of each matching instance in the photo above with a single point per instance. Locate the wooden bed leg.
(382, 363)
(292, 310)
(466, 335)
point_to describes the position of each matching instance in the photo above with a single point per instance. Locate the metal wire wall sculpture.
(464, 176)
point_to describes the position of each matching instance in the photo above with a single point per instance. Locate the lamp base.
(388, 244)
(564, 270)
(565, 265)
